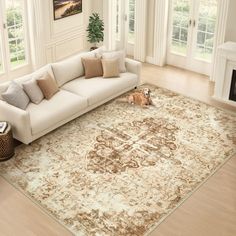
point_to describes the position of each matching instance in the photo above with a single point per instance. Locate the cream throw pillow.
(48, 86)
(120, 55)
(33, 91)
(110, 68)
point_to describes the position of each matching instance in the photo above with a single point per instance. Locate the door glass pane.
(206, 29)
(15, 28)
(118, 20)
(181, 11)
(131, 35)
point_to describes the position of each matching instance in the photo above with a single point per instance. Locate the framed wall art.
(65, 8)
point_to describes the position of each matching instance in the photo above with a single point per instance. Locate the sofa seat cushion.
(50, 112)
(98, 89)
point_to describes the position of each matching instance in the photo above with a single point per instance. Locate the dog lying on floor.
(141, 98)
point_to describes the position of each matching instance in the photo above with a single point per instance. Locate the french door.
(14, 56)
(125, 25)
(192, 25)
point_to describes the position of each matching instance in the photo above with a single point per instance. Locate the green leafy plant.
(95, 29)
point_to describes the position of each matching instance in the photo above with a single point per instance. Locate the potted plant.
(95, 30)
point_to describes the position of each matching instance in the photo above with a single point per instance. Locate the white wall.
(231, 22)
(66, 36)
(97, 6)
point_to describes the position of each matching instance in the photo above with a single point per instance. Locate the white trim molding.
(160, 32)
(140, 30)
(223, 7)
(109, 13)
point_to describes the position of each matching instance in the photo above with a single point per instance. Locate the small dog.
(141, 98)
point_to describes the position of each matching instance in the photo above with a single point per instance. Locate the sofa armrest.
(134, 67)
(19, 120)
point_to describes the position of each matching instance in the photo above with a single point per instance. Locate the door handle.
(194, 23)
(190, 22)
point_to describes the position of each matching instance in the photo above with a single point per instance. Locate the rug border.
(189, 195)
(195, 99)
(155, 226)
(38, 204)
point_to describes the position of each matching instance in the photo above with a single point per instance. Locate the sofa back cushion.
(120, 55)
(35, 75)
(70, 68)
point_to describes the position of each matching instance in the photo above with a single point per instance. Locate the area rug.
(121, 169)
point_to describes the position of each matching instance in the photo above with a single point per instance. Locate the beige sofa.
(77, 96)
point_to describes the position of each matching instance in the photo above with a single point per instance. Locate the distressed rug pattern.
(120, 169)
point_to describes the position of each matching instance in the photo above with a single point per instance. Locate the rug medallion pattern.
(120, 169)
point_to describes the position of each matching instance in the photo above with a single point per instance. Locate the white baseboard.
(150, 60)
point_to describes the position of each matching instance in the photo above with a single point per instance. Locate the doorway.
(192, 25)
(125, 25)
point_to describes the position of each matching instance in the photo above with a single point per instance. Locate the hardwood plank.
(20, 216)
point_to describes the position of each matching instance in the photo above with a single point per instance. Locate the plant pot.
(93, 48)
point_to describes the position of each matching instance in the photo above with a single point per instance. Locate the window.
(125, 25)
(206, 29)
(15, 30)
(14, 44)
(193, 25)
(131, 34)
(181, 11)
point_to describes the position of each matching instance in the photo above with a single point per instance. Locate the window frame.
(9, 71)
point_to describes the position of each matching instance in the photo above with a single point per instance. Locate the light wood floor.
(210, 211)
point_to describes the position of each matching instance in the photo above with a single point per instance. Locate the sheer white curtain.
(36, 32)
(160, 32)
(140, 30)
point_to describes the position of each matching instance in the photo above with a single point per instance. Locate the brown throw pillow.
(48, 86)
(110, 68)
(92, 67)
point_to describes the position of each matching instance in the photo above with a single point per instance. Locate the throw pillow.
(92, 67)
(110, 68)
(48, 86)
(16, 96)
(33, 91)
(120, 55)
